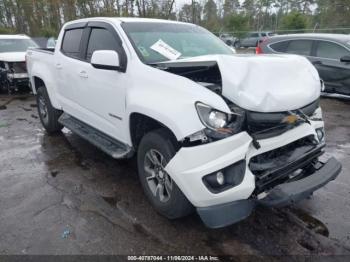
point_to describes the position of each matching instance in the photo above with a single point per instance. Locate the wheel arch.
(37, 82)
(141, 124)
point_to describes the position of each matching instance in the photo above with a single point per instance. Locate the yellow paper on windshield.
(165, 50)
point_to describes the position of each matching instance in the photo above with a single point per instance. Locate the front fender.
(169, 99)
(181, 120)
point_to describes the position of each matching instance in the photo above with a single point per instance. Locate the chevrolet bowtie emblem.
(290, 119)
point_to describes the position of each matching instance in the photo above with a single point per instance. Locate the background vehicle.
(13, 71)
(329, 53)
(205, 136)
(253, 38)
(230, 40)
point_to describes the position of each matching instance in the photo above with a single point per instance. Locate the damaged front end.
(13, 76)
(266, 154)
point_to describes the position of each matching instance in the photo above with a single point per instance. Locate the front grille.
(265, 125)
(278, 165)
(18, 67)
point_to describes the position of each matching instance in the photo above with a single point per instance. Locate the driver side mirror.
(345, 59)
(106, 59)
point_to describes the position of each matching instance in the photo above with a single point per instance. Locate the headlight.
(212, 118)
(217, 119)
(219, 124)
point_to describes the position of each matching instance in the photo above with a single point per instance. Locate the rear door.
(67, 62)
(335, 73)
(301, 47)
(253, 39)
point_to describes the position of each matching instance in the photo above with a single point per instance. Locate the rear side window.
(331, 50)
(100, 39)
(280, 46)
(71, 42)
(300, 47)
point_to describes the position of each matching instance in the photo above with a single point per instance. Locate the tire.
(229, 42)
(237, 44)
(47, 113)
(167, 199)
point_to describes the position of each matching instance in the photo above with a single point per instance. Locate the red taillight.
(258, 50)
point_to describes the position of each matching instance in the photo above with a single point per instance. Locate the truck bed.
(42, 62)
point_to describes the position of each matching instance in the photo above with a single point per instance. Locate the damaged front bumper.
(189, 167)
(284, 194)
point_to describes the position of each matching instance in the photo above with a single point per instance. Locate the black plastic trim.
(226, 214)
(289, 193)
(75, 26)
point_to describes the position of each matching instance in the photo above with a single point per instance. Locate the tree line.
(45, 17)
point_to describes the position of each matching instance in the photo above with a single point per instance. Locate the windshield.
(16, 45)
(182, 40)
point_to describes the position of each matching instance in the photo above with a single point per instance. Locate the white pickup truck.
(212, 131)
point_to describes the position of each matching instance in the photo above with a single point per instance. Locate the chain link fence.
(336, 30)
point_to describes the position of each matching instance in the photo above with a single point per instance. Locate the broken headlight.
(219, 124)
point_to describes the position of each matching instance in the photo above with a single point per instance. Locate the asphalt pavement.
(61, 195)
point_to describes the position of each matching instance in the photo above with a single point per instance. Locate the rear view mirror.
(105, 59)
(345, 59)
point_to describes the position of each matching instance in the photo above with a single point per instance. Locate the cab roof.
(14, 37)
(127, 20)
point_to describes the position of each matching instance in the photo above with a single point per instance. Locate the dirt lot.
(60, 195)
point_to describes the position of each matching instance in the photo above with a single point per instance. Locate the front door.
(102, 92)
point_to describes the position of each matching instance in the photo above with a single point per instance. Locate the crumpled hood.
(266, 83)
(13, 57)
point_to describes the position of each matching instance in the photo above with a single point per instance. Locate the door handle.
(83, 74)
(58, 66)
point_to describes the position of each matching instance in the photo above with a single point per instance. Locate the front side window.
(300, 47)
(279, 46)
(71, 42)
(254, 35)
(188, 40)
(331, 50)
(100, 39)
(16, 45)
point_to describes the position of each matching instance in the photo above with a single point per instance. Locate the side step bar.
(107, 144)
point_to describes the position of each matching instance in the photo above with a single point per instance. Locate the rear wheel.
(155, 151)
(47, 113)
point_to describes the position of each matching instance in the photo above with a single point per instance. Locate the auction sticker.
(165, 50)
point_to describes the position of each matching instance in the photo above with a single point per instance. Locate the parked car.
(51, 42)
(229, 40)
(13, 71)
(209, 129)
(329, 53)
(253, 39)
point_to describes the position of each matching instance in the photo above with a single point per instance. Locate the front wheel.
(47, 113)
(155, 150)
